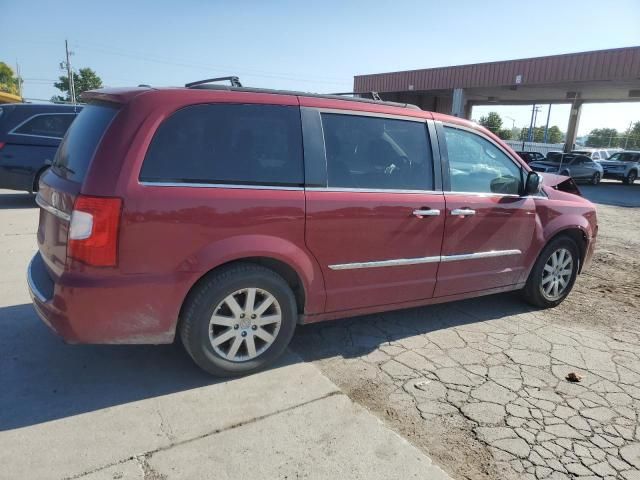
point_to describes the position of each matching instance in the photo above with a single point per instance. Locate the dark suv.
(227, 216)
(29, 137)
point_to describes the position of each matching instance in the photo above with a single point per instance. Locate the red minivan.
(227, 215)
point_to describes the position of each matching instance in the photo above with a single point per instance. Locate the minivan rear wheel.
(238, 320)
(554, 273)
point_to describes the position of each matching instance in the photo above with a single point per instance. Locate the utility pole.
(626, 140)
(546, 127)
(19, 79)
(72, 91)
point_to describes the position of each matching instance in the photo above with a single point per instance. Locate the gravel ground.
(480, 385)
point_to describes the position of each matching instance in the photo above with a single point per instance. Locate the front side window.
(477, 165)
(229, 144)
(376, 153)
(46, 125)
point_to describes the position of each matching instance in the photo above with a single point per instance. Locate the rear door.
(489, 227)
(375, 212)
(62, 183)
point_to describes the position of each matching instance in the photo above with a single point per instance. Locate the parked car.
(622, 166)
(531, 156)
(29, 137)
(578, 167)
(227, 216)
(596, 154)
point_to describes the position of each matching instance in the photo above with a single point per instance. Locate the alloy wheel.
(596, 178)
(631, 178)
(556, 274)
(245, 324)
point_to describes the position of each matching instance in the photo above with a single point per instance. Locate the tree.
(603, 137)
(505, 134)
(8, 82)
(554, 134)
(631, 140)
(492, 121)
(85, 80)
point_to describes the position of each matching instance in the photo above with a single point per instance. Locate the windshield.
(625, 157)
(559, 157)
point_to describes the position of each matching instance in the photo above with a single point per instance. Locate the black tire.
(565, 173)
(595, 180)
(631, 178)
(532, 291)
(208, 294)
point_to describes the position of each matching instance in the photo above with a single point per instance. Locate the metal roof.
(599, 65)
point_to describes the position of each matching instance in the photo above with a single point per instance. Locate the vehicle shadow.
(44, 379)
(613, 193)
(17, 200)
(359, 336)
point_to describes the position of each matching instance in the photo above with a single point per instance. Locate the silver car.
(578, 167)
(622, 166)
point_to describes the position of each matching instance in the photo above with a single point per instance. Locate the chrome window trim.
(363, 113)
(399, 262)
(371, 190)
(42, 203)
(13, 130)
(217, 185)
(32, 286)
(485, 194)
(385, 263)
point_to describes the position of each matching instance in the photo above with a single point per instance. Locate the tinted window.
(227, 143)
(477, 165)
(79, 145)
(46, 125)
(376, 153)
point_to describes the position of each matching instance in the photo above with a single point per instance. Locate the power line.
(219, 68)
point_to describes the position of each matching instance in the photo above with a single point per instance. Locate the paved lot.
(132, 412)
(481, 385)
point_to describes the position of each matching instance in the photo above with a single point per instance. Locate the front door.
(376, 226)
(489, 227)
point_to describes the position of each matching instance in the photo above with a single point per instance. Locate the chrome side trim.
(385, 263)
(484, 194)
(216, 185)
(474, 256)
(42, 203)
(372, 190)
(399, 262)
(32, 286)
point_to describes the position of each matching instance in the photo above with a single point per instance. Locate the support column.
(458, 104)
(572, 128)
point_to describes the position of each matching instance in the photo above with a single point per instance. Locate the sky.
(315, 46)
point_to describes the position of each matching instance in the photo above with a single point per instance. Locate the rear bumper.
(117, 309)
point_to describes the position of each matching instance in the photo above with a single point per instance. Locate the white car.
(595, 154)
(623, 166)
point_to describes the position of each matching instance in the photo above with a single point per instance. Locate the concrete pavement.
(145, 412)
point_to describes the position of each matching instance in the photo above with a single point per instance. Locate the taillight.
(1, 145)
(93, 233)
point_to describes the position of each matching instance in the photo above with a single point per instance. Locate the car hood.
(552, 180)
(544, 164)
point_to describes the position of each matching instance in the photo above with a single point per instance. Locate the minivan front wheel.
(238, 320)
(553, 274)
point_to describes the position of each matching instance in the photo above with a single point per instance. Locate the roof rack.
(235, 81)
(374, 95)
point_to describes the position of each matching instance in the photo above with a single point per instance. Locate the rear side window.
(376, 153)
(228, 144)
(79, 145)
(52, 125)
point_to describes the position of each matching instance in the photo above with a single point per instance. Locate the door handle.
(463, 212)
(426, 212)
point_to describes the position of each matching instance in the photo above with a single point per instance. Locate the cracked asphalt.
(480, 385)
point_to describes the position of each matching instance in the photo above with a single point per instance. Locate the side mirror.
(533, 184)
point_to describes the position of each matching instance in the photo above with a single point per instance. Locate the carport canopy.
(576, 78)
